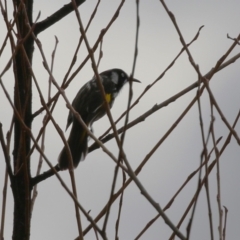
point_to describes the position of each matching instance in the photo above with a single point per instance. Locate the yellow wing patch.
(108, 97)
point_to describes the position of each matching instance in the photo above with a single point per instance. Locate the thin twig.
(218, 175)
(211, 127)
(204, 156)
(4, 147)
(4, 199)
(225, 223)
(78, 217)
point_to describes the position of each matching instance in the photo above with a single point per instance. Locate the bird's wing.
(87, 103)
(79, 102)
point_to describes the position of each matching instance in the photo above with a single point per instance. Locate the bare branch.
(225, 223)
(55, 17)
(5, 151)
(4, 199)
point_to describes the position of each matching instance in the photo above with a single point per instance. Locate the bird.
(89, 104)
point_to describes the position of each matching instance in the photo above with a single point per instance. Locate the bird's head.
(117, 78)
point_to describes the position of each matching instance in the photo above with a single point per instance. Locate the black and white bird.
(89, 104)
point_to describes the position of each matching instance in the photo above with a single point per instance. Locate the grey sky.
(178, 156)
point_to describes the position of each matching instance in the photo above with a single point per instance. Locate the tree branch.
(6, 154)
(55, 17)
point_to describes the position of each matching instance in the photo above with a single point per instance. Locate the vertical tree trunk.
(22, 101)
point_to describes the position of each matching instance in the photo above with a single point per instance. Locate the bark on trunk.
(23, 105)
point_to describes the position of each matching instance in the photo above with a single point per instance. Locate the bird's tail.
(77, 142)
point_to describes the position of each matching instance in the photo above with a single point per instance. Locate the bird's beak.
(134, 80)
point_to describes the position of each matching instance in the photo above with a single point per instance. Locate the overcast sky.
(178, 156)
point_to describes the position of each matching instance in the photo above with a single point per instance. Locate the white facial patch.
(115, 78)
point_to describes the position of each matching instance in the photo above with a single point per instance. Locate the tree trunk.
(23, 105)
